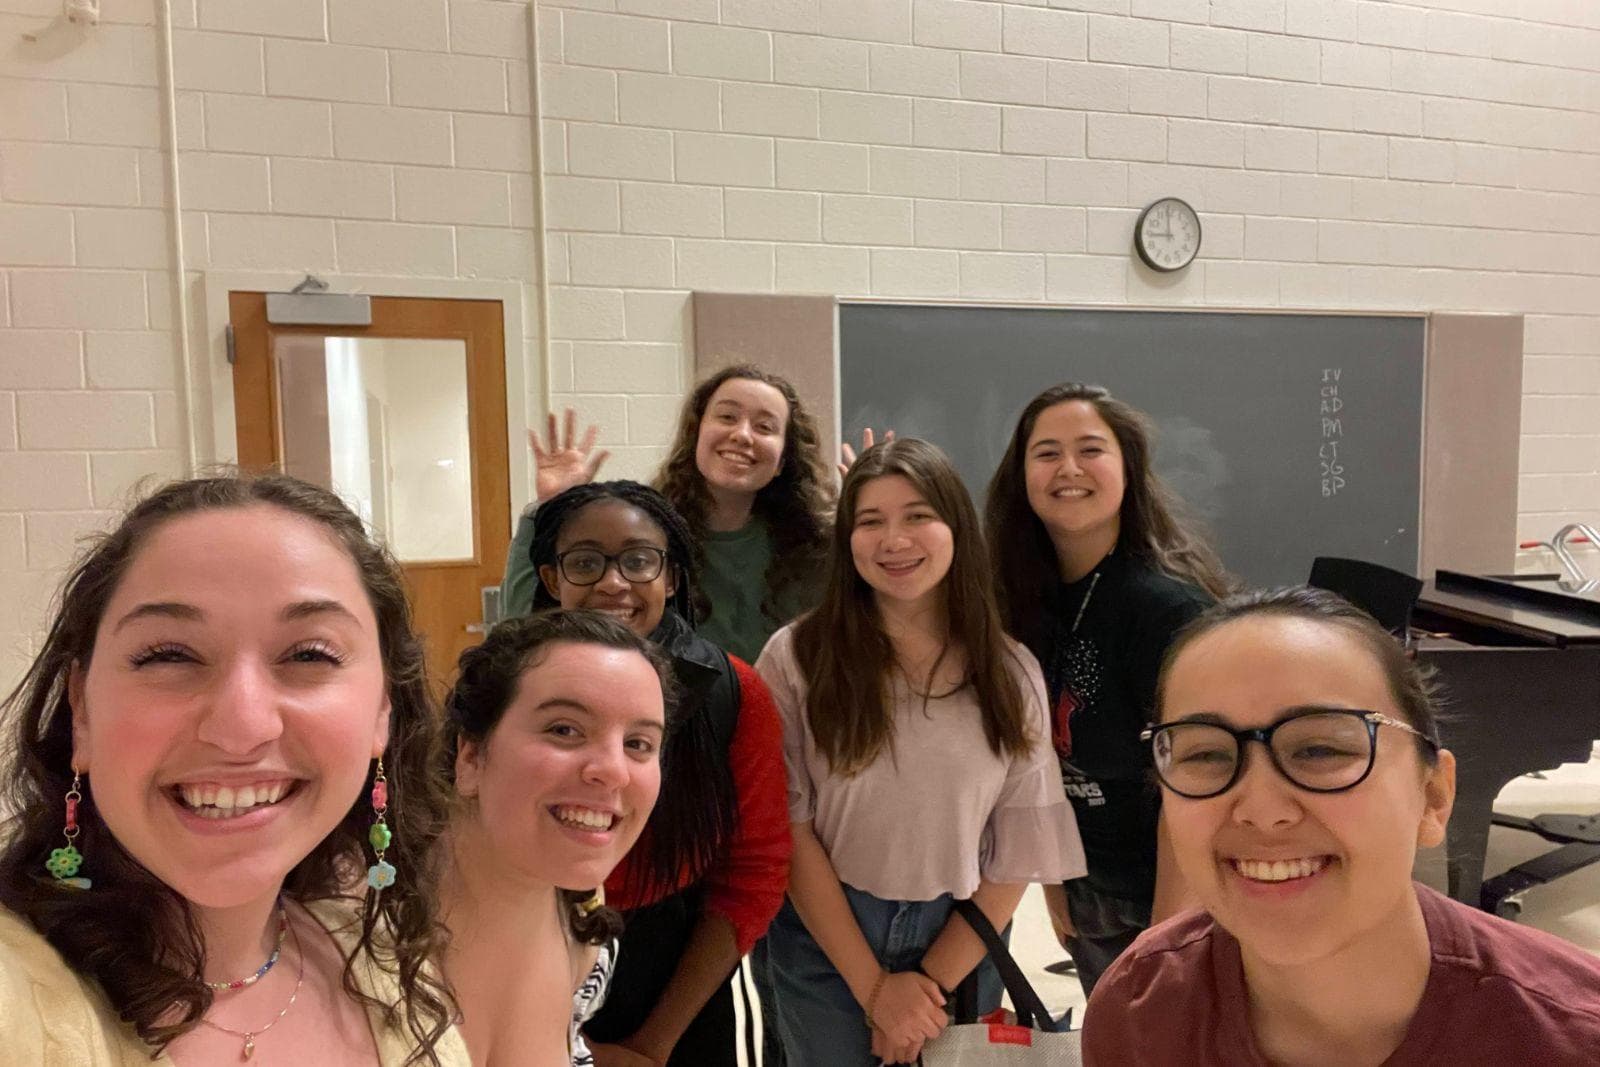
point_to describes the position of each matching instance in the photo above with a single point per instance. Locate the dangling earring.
(64, 862)
(381, 874)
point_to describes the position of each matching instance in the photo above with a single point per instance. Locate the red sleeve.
(747, 889)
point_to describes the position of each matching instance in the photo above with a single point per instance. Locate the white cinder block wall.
(356, 137)
(1434, 154)
(1343, 154)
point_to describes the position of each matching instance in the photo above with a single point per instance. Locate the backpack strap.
(723, 698)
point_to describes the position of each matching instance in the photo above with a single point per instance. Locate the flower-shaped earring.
(64, 862)
(381, 874)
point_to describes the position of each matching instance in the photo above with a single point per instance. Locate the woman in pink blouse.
(920, 770)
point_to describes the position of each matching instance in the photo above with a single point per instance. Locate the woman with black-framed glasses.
(1296, 747)
(1320, 749)
(709, 873)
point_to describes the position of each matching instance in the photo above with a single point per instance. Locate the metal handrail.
(1562, 553)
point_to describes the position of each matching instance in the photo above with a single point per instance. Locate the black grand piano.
(1518, 663)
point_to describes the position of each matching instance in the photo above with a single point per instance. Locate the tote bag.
(1033, 1042)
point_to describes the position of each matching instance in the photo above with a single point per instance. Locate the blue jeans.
(818, 1020)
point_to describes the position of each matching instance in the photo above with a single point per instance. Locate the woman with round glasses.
(709, 873)
(1300, 772)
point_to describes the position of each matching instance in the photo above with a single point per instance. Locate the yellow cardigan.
(53, 1016)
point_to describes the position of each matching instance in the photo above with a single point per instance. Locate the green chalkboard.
(1290, 435)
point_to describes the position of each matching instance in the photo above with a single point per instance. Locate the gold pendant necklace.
(250, 1036)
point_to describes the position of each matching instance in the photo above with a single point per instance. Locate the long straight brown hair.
(844, 652)
(1154, 525)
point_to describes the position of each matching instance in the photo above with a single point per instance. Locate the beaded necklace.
(250, 1036)
(277, 950)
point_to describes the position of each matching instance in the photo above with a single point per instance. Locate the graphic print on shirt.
(586, 1000)
(1079, 667)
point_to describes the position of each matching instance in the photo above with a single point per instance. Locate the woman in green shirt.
(746, 471)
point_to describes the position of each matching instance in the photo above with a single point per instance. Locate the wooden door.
(388, 415)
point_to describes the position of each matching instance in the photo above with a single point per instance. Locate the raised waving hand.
(564, 460)
(847, 455)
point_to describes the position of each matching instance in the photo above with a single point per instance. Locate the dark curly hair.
(797, 505)
(694, 820)
(1155, 528)
(133, 935)
(553, 514)
(486, 682)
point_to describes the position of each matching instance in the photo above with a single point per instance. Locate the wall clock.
(1167, 235)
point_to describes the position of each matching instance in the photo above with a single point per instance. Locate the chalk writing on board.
(1331, 412)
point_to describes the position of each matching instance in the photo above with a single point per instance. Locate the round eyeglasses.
(1321, 750)
(586, 566)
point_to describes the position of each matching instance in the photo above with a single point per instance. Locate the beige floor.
(1569, 908)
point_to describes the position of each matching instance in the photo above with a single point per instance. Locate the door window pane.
(383, 423)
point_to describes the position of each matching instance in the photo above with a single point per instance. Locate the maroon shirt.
(1497, 993)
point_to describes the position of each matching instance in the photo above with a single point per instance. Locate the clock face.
(1167, 235)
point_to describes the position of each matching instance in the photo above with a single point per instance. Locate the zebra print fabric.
(587, 1000)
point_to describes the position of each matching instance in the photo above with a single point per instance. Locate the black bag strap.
(1031, 1011)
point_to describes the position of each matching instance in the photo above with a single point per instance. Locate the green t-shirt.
(520, 581)
(733, 581)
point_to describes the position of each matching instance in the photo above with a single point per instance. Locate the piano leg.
(1505, 712)
(1467, 837)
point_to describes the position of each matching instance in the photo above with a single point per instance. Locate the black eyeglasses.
(586, 566)
(1322, 750)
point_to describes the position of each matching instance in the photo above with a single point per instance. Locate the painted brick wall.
(1344, 153)
(353, 136)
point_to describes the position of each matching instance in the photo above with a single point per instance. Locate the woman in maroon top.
(1315, 946)
(710, 870)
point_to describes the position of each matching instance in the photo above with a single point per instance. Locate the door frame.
(212, 420)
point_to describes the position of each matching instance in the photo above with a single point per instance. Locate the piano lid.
(1548, 610)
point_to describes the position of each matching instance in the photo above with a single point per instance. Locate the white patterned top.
(587, 1000)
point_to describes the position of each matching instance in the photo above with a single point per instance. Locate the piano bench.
(1579, 838)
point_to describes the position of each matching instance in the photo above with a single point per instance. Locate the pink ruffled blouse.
(939, 811)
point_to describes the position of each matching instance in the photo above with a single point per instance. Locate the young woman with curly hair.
(1097, 571)
(553, 736)
(229, 698)
(709, 873)
(747, 474)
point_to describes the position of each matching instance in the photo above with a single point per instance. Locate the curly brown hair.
(132, 934)
(694, 818)
(486, 684)
(1154, 525)
(796, 505)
